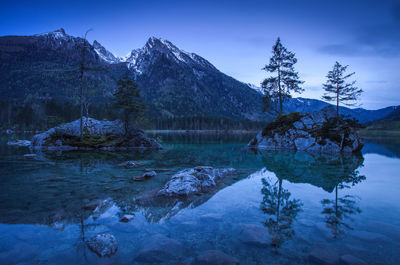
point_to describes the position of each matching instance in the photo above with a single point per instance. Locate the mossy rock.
(282, 123)
(89, 141)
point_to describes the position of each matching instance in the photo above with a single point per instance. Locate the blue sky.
(237, 36)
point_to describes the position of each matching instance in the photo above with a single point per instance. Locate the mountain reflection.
(318, 169)
(331, 172)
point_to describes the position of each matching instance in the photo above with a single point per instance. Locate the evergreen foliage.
(282, 123)
(285, 80)
(337, 89)
(127, 98)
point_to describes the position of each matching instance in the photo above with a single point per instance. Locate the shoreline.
(378, 133)
(201, 131)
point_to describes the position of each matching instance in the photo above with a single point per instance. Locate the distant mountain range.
(174, 83)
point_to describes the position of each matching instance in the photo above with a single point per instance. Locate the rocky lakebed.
(200, 201)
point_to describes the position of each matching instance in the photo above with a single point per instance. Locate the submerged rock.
(20, 143)
(149, 174)
(104, 245)
(215, 257)
(159, 248)
(128, 164)
(145, 175)
(30, 155)
(101, 207)
(193, 181)
(254, 234)
(324, 254)
(351, 260)
(318, 131)
(126, 218)
(104, 135)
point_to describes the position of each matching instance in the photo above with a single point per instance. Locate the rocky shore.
(318, 131)
(103, 135)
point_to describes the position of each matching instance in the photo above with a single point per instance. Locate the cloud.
(381, 40)
(378, 40)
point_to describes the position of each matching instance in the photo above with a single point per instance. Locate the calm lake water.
(349, 203)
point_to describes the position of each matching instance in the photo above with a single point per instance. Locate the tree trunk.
(280, 92)
(337, 102)
(126, 118)
(279, 200)
(336, 201)
(82, 71)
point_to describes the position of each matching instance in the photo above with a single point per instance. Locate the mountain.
(174, 83)
(177, 83)
(104, 54)
(390, 121)
(39, 82)
(307, 105)
(46, 66)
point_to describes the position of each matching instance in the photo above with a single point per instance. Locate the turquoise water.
(350, 203)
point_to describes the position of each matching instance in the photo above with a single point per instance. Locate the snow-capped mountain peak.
(104, 54)
(166, 47)
(58, 34)
(138, 59)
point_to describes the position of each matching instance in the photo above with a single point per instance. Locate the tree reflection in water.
(339, 210)
(331, 172)
(276, 203)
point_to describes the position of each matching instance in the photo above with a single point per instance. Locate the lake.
(278, 208)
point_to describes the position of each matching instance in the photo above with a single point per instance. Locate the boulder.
(104, 135)
(215, 257)
(104, 245)
(318, 131)
(193, 181)
(158, 249)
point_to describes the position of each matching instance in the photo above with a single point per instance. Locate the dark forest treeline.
(45, 114)
(205, 123)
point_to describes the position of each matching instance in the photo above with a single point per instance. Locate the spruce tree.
(127, 98)
(285, 78)
(337, 89)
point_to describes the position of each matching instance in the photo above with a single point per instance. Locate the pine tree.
(127, 98)
(285, 80)
(338, 90)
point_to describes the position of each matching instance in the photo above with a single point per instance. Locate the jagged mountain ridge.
(174, 83)
(46, 66)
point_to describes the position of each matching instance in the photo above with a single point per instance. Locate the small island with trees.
(324, 130)
(87, 133)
